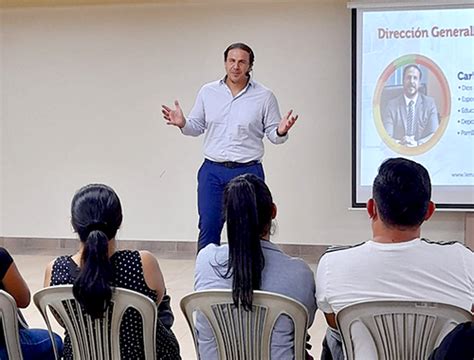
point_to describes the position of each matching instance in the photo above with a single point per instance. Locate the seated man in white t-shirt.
(396, 264)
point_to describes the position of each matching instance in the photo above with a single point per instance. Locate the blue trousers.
(332, 346)
(212, 180)
(35, 345)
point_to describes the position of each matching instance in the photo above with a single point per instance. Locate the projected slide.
(415, 95)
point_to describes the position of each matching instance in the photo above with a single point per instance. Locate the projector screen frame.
(356, 39)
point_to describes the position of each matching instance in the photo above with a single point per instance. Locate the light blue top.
(234, 126)
(282, 274)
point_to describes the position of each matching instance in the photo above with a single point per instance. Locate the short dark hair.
(402, 192)
(241, 46)
(412, 66)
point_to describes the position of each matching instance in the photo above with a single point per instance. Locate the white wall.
(82, 89)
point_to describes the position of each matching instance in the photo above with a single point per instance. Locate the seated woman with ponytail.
(251, 262)
(98, 267)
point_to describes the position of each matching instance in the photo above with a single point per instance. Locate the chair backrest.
(386, 329)
(9, 317)
(97, 339)
(243, 334)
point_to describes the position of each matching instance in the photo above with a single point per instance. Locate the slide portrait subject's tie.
(411, 113)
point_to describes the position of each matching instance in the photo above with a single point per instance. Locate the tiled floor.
(179, 281)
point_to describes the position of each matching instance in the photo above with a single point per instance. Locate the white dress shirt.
(234, 126)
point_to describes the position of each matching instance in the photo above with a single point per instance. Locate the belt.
(233, 165)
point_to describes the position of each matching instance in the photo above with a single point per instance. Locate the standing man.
(411, 118)
(234, 113)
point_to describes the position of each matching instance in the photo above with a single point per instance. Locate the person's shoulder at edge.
(446, 244)
(53, 266)
(300, 265)
(123, 252)
(258, 86)
(301, 273)
(58, 261)
(211, 251)
(338, 249)
(302, 269)
(211, 85)
(207, 258)
(394, 104)
(448, 247)
(152, 273)
(6, 256)
(427, 98)
(297, 260)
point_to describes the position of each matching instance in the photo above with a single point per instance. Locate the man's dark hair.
(402, 192)
(241, 46)
(411, 66)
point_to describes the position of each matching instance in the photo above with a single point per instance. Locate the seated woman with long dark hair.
(98, 267)
(251, 262)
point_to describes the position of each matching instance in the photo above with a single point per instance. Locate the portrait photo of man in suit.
(411, 118)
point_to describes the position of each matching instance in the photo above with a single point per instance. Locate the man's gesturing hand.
(173, 117)
(286, 123)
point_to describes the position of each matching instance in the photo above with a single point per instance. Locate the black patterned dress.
(128, 274)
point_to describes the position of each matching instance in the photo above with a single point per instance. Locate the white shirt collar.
(407, 100)
(250, 82)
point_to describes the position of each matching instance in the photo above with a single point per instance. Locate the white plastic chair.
(396, 330)
(9, 317)
(242, 334)
(97, 339)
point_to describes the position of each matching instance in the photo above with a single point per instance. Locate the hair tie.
(97, 226)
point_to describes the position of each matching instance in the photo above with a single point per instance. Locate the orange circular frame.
(444, 106)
